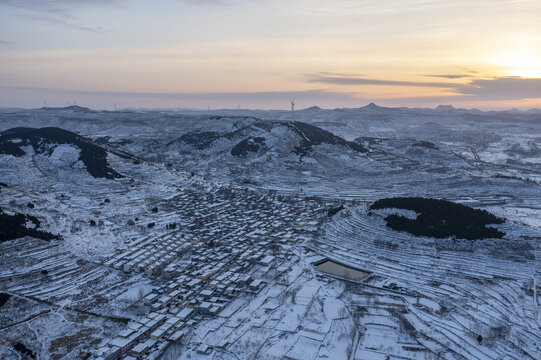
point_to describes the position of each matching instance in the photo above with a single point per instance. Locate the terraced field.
(461, 304)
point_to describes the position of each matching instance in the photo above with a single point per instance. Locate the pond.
(337, 269)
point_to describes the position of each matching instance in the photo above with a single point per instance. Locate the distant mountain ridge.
(71, 107)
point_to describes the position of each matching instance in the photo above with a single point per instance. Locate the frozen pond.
(337, 269)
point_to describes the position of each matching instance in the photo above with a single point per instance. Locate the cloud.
(505, 88)
(62, 22)
(3, 42)
(58, 12)
(346, 80)
(449, 76)
(467, 70)
(502, 88)
(331, 74)
(204, 2)
(54, 4)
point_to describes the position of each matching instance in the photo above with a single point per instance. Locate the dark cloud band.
(342, 80)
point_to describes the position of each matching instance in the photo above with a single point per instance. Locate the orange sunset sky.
(258, 54)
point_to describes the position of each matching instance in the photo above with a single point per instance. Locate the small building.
(214, 309)
(204, 349)
(177, 336)
(256, 285)
(174, 294)
(173, 320)
(186, 314)
(139, 350)
(126, 332)
(204, 308)
(207, 293)
(266, 261)
(193, 283)
(157, 334)
(150, 298)
(120, 342)
(223, 344)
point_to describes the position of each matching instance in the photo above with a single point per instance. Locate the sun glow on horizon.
(530, 73)
(521, 60)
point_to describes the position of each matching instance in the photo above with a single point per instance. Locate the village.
(201, 268)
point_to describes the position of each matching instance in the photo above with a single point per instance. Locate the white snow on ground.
(65, 155)
(447, 298)
(425, 298)
(525, 215)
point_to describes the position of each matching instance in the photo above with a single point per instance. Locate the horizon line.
(451, 106)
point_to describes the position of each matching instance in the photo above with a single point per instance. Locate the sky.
(104, 54)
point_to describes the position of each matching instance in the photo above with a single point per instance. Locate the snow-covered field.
(231, 209)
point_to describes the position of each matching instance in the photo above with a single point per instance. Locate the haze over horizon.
(231, 54)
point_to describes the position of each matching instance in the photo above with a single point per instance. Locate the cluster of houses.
(149, 255)
(201, 267)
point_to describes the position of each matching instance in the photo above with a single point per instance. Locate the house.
(121, 343)
(223, 344)
(206, 294)
(214, 309)
(174, 294)
(173, 320)
(126, 332)
(109, 352)
(266, 261)
(193, 283)
(157, 334)
(177, 336)
(139, 350)
(204, 308)
(186, 314)
(256, 285)
(142, 349)
(204, 349)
